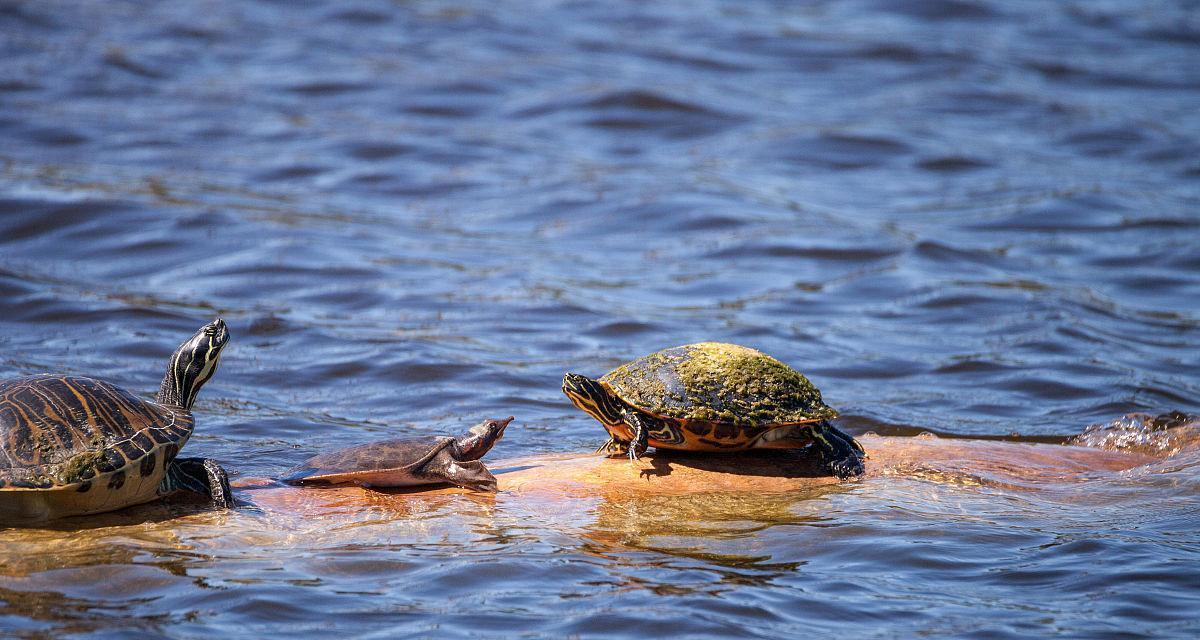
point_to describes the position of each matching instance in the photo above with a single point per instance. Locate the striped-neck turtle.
(408, 462)
(71, 445)
(712, 396)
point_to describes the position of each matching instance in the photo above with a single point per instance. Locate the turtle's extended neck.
(182, 382)
(192, 364)
(168, 393)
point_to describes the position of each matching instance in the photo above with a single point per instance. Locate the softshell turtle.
(71, 445)
(407, 462)
(712, 396)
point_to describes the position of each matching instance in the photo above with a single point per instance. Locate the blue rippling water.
(967, 217)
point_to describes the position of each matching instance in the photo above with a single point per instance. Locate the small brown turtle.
(71, 445)
(407, 462)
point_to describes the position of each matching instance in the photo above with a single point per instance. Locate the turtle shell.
(86, 436)
(389, 463)
(715, 382)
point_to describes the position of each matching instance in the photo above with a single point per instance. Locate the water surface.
(969, 218)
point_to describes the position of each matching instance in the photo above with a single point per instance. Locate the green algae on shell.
(718, 382)
(82, 466)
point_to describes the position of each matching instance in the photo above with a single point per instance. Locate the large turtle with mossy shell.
(713, 396)
(71, 445)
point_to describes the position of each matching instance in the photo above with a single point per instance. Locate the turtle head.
(192, 364)
(591, 396)
(480, 438)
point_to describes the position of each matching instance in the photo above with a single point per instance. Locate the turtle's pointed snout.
(494, 429)
(481, 437)
(217, 329)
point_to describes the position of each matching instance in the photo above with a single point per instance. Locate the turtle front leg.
(613, 447)
(198, 475)
(641, 434)
(840, 453)
(470, 474)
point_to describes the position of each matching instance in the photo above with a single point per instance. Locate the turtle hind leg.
(839, 453)
(198, 475)
(470, 474)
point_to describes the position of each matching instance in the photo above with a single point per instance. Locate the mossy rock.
(718, 382)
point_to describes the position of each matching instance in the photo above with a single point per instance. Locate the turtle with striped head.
(71, 445)
(712, 396)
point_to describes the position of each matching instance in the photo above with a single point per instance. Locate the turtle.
(74, 445)
(712, 396)
(408, 462)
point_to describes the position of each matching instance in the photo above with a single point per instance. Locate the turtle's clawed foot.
(613, 447)
(637, 450)
(218, 485)
(471, 475)
(198, 475)
(840, 453)
(641, 436)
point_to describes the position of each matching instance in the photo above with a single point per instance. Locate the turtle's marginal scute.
(147, 467)
(116, 480)
(718, 382)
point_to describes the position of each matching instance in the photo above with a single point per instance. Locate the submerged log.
(548, 479)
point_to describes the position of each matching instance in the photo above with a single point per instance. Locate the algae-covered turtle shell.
(713, 397)
(718, 382)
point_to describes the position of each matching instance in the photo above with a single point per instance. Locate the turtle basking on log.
(408, 462)
(712, 396)
(71, 445)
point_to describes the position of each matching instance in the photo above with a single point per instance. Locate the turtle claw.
(641, 435)
(613, 447)
(218, 485)
(636, 452)
(198, 475)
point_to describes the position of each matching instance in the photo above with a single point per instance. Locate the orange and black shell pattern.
(63, 431)
(703, 435)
